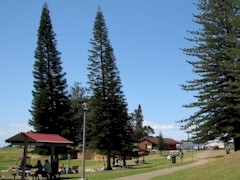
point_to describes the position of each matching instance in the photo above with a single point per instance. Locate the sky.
(146, 35)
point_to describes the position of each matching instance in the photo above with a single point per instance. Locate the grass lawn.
(10, 157)
(220, 166)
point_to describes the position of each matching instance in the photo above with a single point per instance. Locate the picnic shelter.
(39, 139)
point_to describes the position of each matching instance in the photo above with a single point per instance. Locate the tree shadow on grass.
(69, 177)
(142, 166)
(212, 157)
(216, 157)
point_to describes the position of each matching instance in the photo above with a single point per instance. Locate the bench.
(45, 175)
(35, 176)
(75, 169)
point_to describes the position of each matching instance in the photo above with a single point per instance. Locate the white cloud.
(18, 126)
(157, 126)
(167, 130)
(9, 130)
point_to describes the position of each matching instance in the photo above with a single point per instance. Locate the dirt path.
(145, 176)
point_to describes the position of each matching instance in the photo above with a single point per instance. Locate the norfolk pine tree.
(218, 53)
(118, 107)
(109, 117)
(50, 106)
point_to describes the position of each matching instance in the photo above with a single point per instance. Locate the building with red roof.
(150, 143)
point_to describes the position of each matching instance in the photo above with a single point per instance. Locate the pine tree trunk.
(109, 160)
(113, 163)
(237, 143)
(124, 161)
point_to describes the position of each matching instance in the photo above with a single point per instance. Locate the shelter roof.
(38, 138)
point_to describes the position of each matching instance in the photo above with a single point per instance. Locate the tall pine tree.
(50, 106)
(217, 66)
(109, 117)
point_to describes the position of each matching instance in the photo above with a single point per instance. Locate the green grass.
(220, 166)
(10, 157)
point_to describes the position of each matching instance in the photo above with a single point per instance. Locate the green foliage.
(50, 104)
(217, 65)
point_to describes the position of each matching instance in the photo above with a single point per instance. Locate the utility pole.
(83, 147)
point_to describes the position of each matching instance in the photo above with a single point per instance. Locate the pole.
(24, 159)
(192, 152)
(69, 156)
(83, 148)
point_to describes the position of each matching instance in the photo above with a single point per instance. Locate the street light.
(83, 147)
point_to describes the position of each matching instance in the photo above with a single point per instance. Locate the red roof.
(171, 141)
(141, 153)
(38, 138)
(150, 139)
(154, 140)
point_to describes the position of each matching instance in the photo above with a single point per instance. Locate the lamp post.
(83, 147)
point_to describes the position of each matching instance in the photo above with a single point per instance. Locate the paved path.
(149, 175)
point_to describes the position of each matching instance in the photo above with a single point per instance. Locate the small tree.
(139, 131)
(160, 142)
(78, 96)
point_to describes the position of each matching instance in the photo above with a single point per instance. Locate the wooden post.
(69, 156)
(24, 157)
(52, 153)
(54, 160)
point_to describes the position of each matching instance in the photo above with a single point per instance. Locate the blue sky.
(146, 36)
